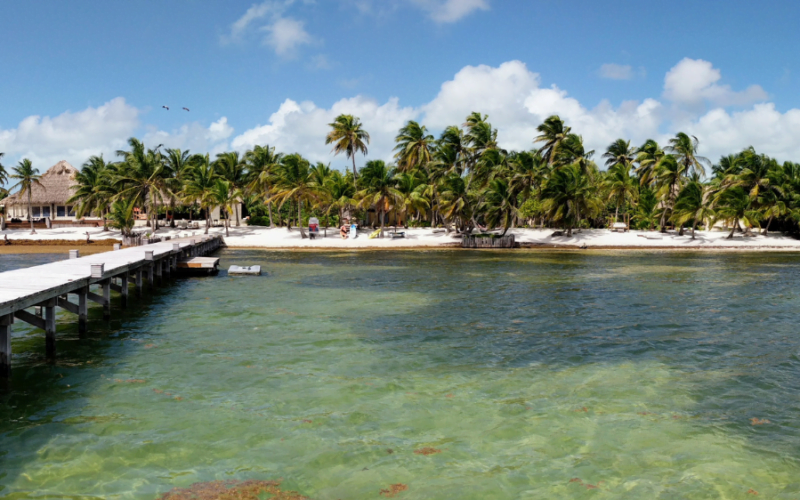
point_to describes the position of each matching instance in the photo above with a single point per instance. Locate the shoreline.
(255, 237)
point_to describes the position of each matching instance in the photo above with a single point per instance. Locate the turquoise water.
(534, 374)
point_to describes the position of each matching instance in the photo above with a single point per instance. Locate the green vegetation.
(463, 180)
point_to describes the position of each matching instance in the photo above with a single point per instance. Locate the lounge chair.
(401, 234)
(618, 227)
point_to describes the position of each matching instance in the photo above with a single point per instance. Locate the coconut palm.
(414, 146)
(669, 177)
(568, 193)
(620, 186)
(262, 162)
(734, 203)
(499, 204)
(26, 177)
(233, 168)
(94, 190)
(339, 191)
(121, 216)
(684, 147)
(453, 149)
(410, 194)
(176, 162)
(647, 156)
(225, 196)
(349, 137)
(200, 185)
(620, 152)
(693, 204)
(295, 182)
(3, 173)
(552, 133)
(572, 150)
(456, 200)
(377, 180)
(142, 177)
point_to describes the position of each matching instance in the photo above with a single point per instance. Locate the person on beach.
(344, 230)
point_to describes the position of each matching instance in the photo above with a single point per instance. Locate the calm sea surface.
(528, 374)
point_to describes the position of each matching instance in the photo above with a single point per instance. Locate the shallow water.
(536, 375)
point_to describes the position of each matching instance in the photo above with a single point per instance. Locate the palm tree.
(693, 204)
(93, 190)
(142, 177)
(226, 197)
(620, 152)
(262, 162)
(552, 133)
(499, 204)
(295, 182)
(200, 185)
(648, 156)
(3, 173)
(121, 216)
(684, 147)
(410, 194)
(349, 137)
(339, 191)
(233, 169)
(177, 163)
(414, 146)
(669, 180)
(27, 177)
(620, 186)
(567, 194)
(456, 200)
(379, 190)
(734, 203)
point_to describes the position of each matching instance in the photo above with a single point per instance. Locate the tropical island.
(436, 190)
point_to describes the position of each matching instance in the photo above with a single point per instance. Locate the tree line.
(462, 180)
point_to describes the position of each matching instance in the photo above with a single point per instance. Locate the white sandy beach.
(261, 237)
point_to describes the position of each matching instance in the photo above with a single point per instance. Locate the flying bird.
(165, 107)
(187, 109)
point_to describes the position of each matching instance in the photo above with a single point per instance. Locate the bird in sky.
(165, 107)
(187, 109)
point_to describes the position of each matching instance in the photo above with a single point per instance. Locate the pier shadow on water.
(485, 375)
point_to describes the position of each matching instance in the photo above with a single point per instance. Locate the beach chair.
(619, 227)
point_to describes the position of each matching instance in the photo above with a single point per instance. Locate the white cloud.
(450, 11)
(254, 13)
(285, 35)
(302, 127)
(616, 71)
(71, 136)
(192, 136)
(692, 82)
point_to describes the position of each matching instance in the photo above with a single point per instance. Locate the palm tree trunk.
(735, 223)
(769, 221)
(30, 212)
(300, 218)
(227, 224)
(381, 216)
(235, 211)
(694, 226)
(269, 207)
(355, 184)
(208, 219)
(104, 213)
(616, 213)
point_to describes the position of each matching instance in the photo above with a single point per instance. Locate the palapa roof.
(55, 186)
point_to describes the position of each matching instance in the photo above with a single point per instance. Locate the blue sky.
(80, 77)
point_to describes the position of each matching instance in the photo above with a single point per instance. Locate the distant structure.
(48, 199)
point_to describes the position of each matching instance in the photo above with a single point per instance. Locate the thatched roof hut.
(55, 189)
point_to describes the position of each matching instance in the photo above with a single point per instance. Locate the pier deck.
(49, 286)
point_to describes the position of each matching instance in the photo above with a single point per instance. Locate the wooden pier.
(49, 286)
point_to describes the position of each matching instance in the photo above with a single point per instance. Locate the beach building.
(48, 198)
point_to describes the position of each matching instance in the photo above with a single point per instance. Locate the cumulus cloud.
(285, 35)
(71, 136)
(192, 136)
(692, 82)
(613, 71)
(450, 11)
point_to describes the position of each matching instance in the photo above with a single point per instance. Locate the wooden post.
(106, 285)
(167, 265)
(138, 278)
(159, 265)
(83, 308)
(150, 275)
(5, 345)
(124, 292)
(50, 327)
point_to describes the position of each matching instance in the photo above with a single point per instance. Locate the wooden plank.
(31, 319)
